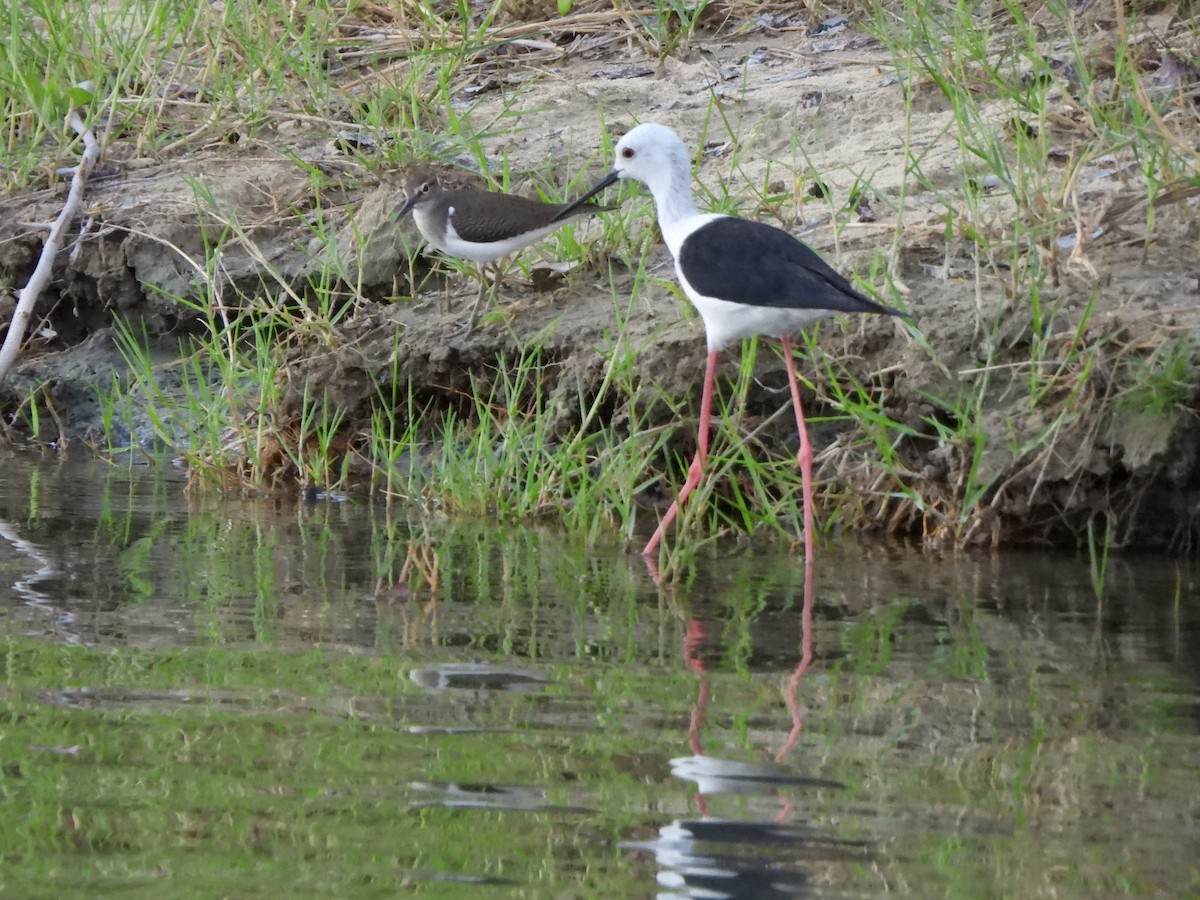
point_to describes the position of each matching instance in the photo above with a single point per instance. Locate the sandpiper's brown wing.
(483, 216)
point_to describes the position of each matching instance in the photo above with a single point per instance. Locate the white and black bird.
(743, 277)
(482, 226)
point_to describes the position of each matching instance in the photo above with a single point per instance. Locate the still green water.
(215, 697)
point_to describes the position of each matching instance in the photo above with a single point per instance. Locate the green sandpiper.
(482, 226)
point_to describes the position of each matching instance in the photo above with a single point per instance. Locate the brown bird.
(483, 226)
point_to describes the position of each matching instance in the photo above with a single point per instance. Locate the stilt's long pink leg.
(805, 456)
(696, 470)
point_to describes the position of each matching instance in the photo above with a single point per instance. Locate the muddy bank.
(1012, 421)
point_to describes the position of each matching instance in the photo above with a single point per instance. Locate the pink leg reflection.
(693, 640)
(792, 691)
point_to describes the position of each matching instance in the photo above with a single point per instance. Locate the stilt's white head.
(654, 155)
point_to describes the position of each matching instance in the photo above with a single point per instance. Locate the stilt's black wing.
(756, 264)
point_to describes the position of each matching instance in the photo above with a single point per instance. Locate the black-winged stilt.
(743, 277)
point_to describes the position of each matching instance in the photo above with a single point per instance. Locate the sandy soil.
(776, 105)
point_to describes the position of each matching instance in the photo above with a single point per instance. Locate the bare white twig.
(27, 296)
(77, 249)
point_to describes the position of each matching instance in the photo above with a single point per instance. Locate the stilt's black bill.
(601, 185)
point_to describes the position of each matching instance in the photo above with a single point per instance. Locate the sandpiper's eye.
(425, 187)
(628, 153)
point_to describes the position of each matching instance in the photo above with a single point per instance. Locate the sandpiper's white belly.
(449, 242)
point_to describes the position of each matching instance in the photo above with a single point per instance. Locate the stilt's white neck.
(673, 198)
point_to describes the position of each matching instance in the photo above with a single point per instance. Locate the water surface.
(208, 696)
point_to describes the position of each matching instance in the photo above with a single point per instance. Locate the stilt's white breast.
(726, 322)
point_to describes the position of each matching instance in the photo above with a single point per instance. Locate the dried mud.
(775, 106)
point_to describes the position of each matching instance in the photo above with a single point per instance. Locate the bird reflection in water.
(714, 856)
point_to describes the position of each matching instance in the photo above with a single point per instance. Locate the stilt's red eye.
(628, 153)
